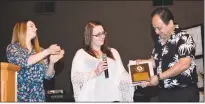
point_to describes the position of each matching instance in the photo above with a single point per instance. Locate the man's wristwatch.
(159, 79)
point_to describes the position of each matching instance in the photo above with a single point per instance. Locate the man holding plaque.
(173, 58)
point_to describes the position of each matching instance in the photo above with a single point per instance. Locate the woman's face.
(98, 36)
(31, 30)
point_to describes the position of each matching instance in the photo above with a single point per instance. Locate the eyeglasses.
(100, 34)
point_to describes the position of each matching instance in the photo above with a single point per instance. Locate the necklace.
(97, 54)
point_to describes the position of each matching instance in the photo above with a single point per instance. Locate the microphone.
(104, 58)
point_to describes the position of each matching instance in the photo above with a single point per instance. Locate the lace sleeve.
(79, 77)
(126, 88)
(124, 82)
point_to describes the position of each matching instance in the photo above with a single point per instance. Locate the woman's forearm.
(37, 57)
(50, 70)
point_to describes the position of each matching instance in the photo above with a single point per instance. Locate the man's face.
(160, 27)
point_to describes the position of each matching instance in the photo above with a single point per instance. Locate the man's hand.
(144, 84)
(154, 80)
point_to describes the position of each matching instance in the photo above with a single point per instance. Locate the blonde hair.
(20, 34)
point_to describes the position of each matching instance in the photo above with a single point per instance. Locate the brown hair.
(88, 40)
(20, 34)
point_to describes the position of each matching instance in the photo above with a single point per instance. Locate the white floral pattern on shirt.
(178, 46)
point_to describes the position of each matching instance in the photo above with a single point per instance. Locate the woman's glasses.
(100, 34)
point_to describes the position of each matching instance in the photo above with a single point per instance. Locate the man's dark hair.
(164, 13)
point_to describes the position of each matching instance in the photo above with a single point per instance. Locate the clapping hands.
(56, 53)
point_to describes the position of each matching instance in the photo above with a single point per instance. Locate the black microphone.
(104, 58)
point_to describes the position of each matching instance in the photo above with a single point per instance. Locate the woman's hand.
(56, 57)
(102, 66)
(54, 49)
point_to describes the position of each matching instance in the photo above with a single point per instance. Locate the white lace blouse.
(90, 88)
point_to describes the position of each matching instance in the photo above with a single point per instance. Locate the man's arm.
(178, 68)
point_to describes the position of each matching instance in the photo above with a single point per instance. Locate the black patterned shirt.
(179, 45)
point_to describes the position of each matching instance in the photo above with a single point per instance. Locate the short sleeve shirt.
(179, 45)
